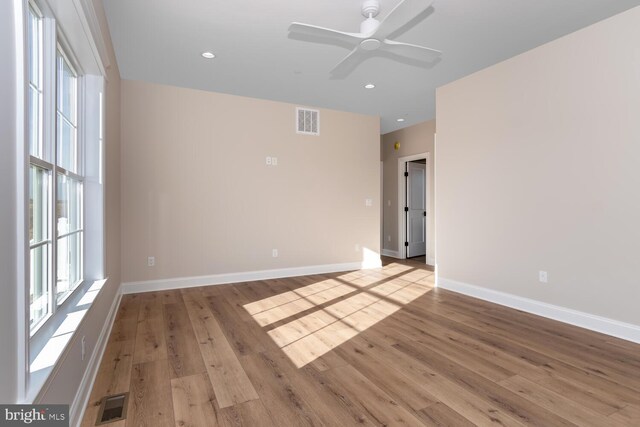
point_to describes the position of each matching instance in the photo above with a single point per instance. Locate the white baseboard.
(81, 399)
(615, 328)
(390, 253)
(225, 278)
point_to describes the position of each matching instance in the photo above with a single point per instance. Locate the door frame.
(402, 228)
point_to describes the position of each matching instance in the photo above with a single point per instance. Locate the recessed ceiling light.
(369, 86)
(208, 55)
(400, 120)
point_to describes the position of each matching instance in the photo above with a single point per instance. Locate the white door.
(416, 220)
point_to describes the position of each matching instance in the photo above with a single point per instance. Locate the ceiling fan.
(373, 35)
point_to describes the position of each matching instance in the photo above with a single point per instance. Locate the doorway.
(414, 203)
(415, 210)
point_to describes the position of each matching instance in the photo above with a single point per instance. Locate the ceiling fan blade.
(411, 51)
(348, 64)
(404, 12)
(326, 33)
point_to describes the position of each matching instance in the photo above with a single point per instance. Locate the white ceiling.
(161, 41)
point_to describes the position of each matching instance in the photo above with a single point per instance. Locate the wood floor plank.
(170, 296)
(247, 414)
(576, 391)
(556, 403)
(486, 368)
(329, 409)
(629, 415)
(183, 350)
(229, 380)
(150, 341)
(129, 307)
(124, 329)
(402, 388)
(194, 401)
(517, 407)
(150, 401)
(150, 306)
(375, 403)
(440, 415)
(240, 334)
(588, 360)
(328, 361)
(464, 402)
(280, 399)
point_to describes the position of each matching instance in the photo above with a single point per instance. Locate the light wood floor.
(368, 347)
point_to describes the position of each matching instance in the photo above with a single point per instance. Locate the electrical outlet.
(274, 253)
(274, 161)
(269, 161)
(82, 343)
(368, 202)
(543, 277)
(151, 261)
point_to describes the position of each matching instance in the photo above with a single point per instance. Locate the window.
(69, 182)
(40, 187)
(56, 234)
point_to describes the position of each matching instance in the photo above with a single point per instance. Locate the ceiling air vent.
(308, 121)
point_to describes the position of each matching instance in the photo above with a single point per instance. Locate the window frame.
(77, 176)
(53, 45)
(43, 163)
(41, 347)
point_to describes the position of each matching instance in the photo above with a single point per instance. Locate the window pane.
(67, 147)
(35, 85)
(34, 36)
(39, 287)
(68, 205)
(69, 252)
(39, 219)
(35, 123)
(66, 89)
(38, 204)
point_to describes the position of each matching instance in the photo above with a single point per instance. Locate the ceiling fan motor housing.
(370, 8)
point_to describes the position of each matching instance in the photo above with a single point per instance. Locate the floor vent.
(308, 121)
(112, 409)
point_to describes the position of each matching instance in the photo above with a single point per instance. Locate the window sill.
(52, 341)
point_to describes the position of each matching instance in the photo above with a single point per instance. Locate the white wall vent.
(307, 121)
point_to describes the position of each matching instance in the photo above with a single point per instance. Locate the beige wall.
(197, 195)
(539, 169)
(415, 139)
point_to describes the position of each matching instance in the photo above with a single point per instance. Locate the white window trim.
(31, 384)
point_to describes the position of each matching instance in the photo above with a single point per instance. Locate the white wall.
(198, 196)
(8, 250)
(538, 168)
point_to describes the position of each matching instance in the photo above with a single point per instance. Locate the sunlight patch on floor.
(376, 296)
